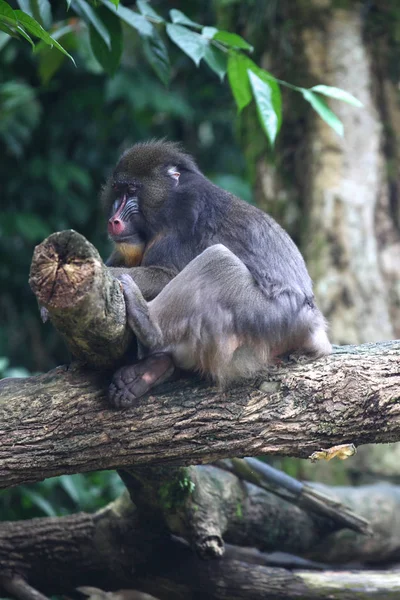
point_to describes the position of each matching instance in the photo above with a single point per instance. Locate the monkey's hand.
(133, 381)
(137, 312)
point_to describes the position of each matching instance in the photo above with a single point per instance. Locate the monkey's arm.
(150, 280)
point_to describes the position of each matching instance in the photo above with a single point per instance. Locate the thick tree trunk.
(339, 196)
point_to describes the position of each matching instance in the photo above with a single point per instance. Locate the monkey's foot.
(138, 316)
(133, 381)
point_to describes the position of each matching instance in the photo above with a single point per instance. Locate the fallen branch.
(114, 548)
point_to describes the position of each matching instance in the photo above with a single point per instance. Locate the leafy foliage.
(60, 496)
(216, 47)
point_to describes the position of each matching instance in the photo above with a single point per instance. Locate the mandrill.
(211, 283)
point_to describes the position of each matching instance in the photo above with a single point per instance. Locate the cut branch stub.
(63, 269)
(84, 301)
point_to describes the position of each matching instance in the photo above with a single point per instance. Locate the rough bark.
(346, 179)
(115, 548)
(60, 422)
(85, 302)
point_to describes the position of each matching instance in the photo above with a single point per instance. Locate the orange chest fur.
(131, 254)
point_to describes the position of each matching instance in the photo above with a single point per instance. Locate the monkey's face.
(139, 189)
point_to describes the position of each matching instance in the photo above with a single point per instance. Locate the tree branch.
(116, 548)
(84, 301)
(60, 422)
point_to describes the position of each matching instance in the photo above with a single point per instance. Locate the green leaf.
(233, 40)
(157, 54)
(40, 502)
(265, 108)
(324, 111)
(49, 64)
(216, 60)
(28, 38)
(89, 14)
(108, 58)
(180, 18)
(337, 93)
(193, 44)
(131, 18)
(146, 10)
(36, 29)
(276, 98)
(239, 80)
(8, 31)
(7, 15)
(49, 61)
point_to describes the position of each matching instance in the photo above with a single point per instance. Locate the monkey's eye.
(174, 173)
(132, 190)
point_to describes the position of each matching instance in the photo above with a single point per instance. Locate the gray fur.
(215, 320)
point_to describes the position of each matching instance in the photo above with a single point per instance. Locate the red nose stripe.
(115, 226)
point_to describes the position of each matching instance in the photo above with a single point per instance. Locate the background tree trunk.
(341, 190)
(338, 197)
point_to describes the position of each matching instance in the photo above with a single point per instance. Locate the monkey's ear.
(174, 173)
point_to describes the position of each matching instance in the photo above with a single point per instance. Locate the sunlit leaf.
(148, 11)
(193, 44)
(89, 14)
(131, 18)
(233, 40)
(180, 18)
(157, 55)
(216, 60)
(38, 9)
(266, 112)
(338, 94)
(239, 80)
(108, 58)
(36, 29)
(209, 32)
(276, 97)
(320, 106)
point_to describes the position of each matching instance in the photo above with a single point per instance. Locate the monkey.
(211, 283)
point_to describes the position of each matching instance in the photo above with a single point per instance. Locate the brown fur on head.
(145, 157)
(146, 166)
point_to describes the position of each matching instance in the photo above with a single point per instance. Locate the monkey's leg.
(133, 381)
